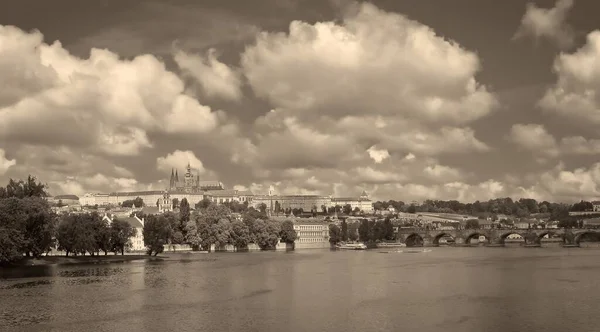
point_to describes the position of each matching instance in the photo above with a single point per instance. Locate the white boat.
(391, 245)
(414, 251)
(352, 246)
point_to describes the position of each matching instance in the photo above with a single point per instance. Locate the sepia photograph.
(299, 165)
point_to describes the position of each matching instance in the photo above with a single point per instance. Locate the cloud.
(216, 78)
(108, 104)
(547, 23)
(575, 94)
(375, 85)
(5, 163)
(179, 159)
(535, 138)
(377, 62)
(378, 155)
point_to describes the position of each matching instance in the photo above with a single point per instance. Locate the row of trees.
(215, 225)
(521, 208)
(90, 233)
(365, 231)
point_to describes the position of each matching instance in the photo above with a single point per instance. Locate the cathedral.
(190, 182)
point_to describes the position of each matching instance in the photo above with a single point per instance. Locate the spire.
(172, 181)
(176, 176)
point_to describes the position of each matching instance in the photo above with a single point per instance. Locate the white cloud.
(178, 160)
(5, 163)
(216, 78)
(575, 94)
(378, 155)
(536, 139)
(108, 104)
(374, 62)
(547, 23)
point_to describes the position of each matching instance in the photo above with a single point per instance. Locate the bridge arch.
(550, 233)
(503, 236)
(578, 236)
(477, 235)
(438, 237)
(414, 240)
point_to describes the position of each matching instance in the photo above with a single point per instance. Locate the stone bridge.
(533, 237)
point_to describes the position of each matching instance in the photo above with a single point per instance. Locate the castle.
(191, 183)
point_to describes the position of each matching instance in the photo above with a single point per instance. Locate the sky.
(407, 100)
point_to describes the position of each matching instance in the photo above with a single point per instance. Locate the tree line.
(364, 230)
(521, 208)
(215, 224)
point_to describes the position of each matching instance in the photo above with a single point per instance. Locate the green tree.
(287, 233)
(335, 234)
(203, 204)
(120, 235)
(364, 230)
(266, 234)
(353, 231)
(156, 234)
(388, 230)
(347, 209)
(344, 231)
(240, 234)
(472, 224)
(192, 238)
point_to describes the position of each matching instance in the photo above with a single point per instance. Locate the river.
(447, 289)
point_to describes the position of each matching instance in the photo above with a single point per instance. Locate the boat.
(391, 245)
(352, 246)
(414, 251)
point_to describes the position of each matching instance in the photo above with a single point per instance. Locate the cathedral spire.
(176, 176)
(172, 181)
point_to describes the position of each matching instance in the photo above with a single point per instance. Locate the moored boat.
(391, 245)
(352, 246)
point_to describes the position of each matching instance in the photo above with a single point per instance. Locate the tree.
(472, 224)
(287, 234)
(21, 189)
(120, 235)
(388, 230)
(353, 231)
(184, 217)
(156, 234)
(411, 209)
(192, 238)
(240, 234)
(266, 233)
(335, 234)
(203, 204)
(347, 209)
(262, 207)
(138, 202)
(344, 231)
(175, 202)
(364, 230)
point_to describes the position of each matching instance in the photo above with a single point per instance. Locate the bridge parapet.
(493, 236)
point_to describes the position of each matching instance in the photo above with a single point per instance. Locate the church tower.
(172, 181)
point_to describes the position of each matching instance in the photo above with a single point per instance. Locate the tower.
(172, 181)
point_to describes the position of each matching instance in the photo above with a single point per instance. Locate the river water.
(446, 289)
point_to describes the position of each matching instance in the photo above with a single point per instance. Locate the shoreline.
(64, 260)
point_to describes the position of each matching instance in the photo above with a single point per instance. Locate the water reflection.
(454, 289)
